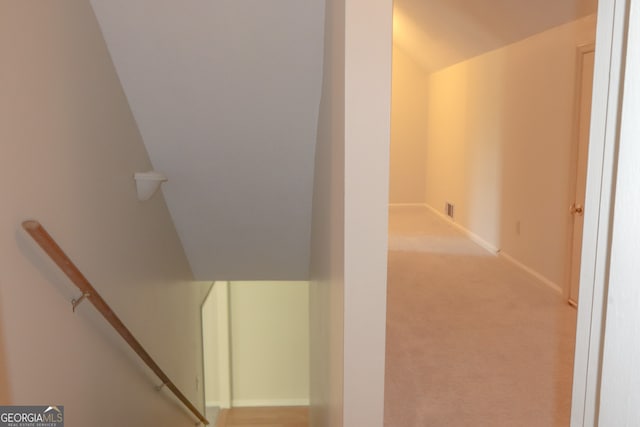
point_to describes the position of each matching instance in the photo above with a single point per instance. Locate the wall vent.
(448, 209)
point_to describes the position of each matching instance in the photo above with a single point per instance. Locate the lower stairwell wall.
(257, 344)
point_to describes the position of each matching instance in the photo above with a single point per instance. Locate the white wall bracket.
(147, 183)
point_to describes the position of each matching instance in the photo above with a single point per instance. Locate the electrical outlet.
(197, 383)
(518, 227)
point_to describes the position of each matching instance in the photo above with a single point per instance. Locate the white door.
(585, 87)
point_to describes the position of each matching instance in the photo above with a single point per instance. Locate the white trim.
(470, 234)
(539, 277)
(492, 249)
(201, 381)
(215, 404)
(408, 205)
(605, 113)
(224, 344)
(248, 403)
(581, 51)
(618, 394)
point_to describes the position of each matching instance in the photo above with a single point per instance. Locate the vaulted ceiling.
(226, 96)
(439, 33)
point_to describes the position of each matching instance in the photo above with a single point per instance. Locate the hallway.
(471, 339)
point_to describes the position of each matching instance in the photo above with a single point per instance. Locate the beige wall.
(499, 145)
(256, 344)
(269, 324)
(349, 232)
(408, 130)
(69, 149)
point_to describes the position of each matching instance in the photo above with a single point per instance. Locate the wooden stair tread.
(289, 416)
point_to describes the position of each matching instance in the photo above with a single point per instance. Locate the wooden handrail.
(58, 256)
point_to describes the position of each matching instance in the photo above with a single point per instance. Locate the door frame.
(608, 71)
(581, 51)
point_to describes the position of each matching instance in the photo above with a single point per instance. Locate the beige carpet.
(471, 340)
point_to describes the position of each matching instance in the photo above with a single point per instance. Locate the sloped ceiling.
(226, 96)
(439, 33)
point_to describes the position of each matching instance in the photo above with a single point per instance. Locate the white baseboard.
(244, 403)
(470, 234)
(215, 404)
(407, 205)
(550, 283)
(488, 246)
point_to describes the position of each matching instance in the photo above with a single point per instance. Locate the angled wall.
(70, 148)
(226, 95)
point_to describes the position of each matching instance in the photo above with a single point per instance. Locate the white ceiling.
(439, 33)
(226, 96)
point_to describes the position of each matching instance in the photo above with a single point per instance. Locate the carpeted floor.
(471, 340)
